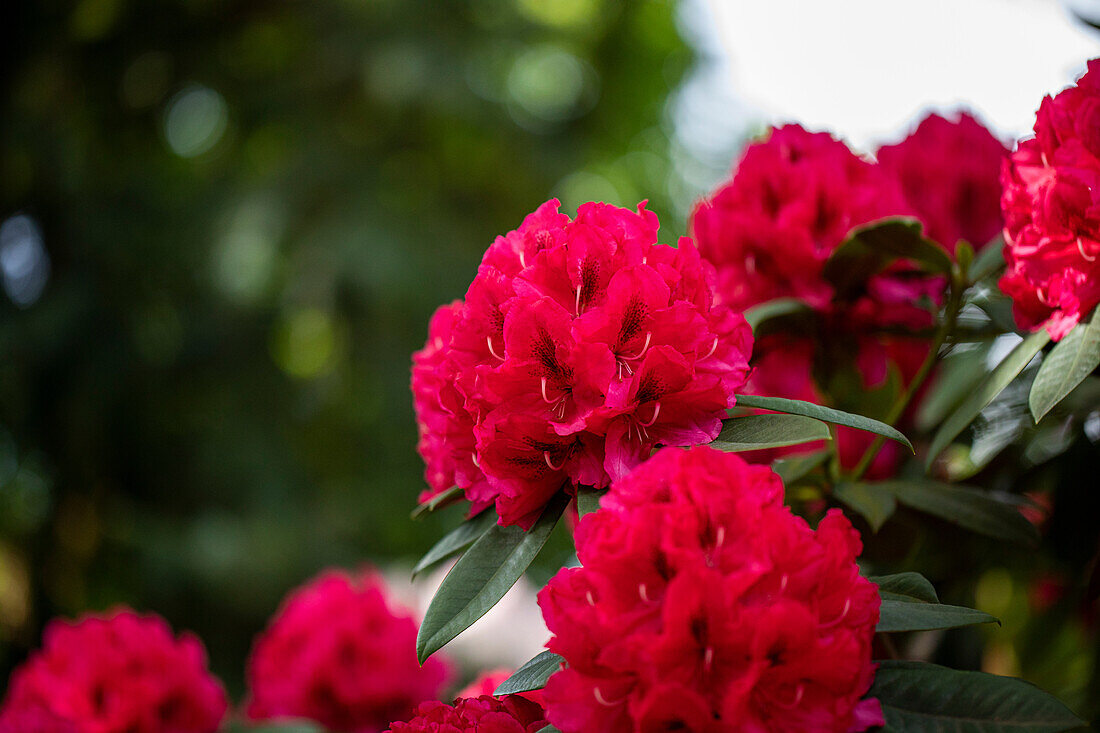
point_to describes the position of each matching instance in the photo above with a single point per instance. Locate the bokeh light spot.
(561, 13)
(24, 264)
(305, 343)
(195, 121)
(550, 84)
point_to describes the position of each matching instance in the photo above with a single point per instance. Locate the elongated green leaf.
(774, 309)
(869, 249)
(457, 539)
(988, 262)
(872, 502)
(971, 508)
(754, 432)
(588, 499)
(482, 576)
(532, 675)
(925, 698)
(825, 414)
(549, 729)
(793, 468)
(440, 500)
(998, 379)
(912, 587)
(898, 615)
(1066, 366)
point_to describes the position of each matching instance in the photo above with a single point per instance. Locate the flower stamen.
(550, 463)
(489, 340)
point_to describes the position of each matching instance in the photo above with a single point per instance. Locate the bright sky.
(866, 68)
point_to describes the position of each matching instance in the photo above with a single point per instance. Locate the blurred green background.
(226, 224)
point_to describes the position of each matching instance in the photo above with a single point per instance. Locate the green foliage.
(1066, 366)
(869, 249)
(532, 675)
(874, 502)
(754, 432)
(796, 467)
(997, 380)
(588, 500)
(928, 698)
(456, 540)
(825, 414)
(482, 576)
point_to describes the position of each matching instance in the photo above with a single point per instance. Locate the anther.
(550, 463)
(1081, 249)
(545, 399)
(847, 607)
(713, 348)
(656, 412)
(645, 347)
(489, 340)
(600, 698)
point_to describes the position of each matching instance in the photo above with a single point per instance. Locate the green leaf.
(926, 698)
(793, 468)
(913, 587)
(959, 374)
(988, 261)
(297, 726)
(482, 576)
(1066, 366)
(457, 539)
(970, 508)
(997, 380)
(532, 675)
(869, 249)
(754, 432)
(907, 615)
(549, 729)
(588, 499)
(872, 502)
(774, 309)
(826, 414)
(440, 500)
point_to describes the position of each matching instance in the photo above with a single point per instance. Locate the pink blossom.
(1051, 205)
(704, 604)
(581, 345)
(488, 682)
(484, 714)
(949, 171)
(114, 673)
(341, 653)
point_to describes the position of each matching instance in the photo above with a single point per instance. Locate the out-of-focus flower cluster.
(339, 653)
(704, 604)
(1051, 206)
(115, 673)
(580, 346)
(484, 714)
(792, 200)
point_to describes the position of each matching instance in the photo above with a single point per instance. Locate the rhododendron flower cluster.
(338, 652)
(1051, 206)
(949, 172)
(793, 199)
(488, 682)
(484, 714)
(580, 346)
(704, 604)
(116, 673)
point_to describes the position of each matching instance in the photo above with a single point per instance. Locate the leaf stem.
(947, 327)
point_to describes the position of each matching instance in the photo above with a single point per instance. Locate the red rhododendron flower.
(949, 171)
(704, 604)
(792, 200)
(1051, 205)
(115, 673)
(581, 345)
(484, 714)
(488, 682)
(339, 652)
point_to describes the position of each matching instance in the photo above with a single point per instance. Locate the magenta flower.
(484, 714)
(1051, 206)
(115, 673)
(341, 653)
(704, 604)
(581, 346)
